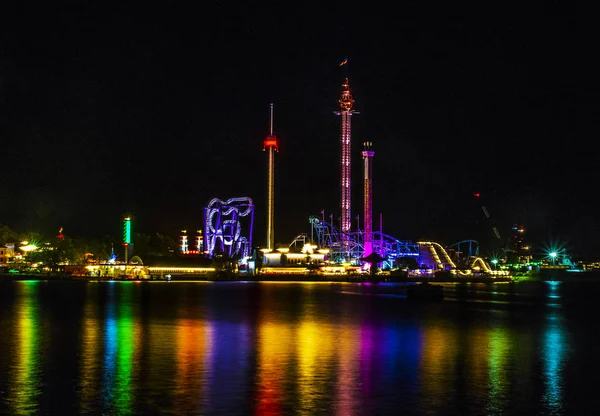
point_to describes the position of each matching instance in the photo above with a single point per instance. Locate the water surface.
(296, 348)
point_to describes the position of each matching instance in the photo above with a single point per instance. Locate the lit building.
(183, 242)
(518, 251)
(199, 242)
(3, 256)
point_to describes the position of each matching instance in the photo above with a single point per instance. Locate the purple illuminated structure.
(367, 155)
(346, 101)
(223, 227)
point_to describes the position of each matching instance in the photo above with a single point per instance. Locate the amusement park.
(342, 249)
(328, 248)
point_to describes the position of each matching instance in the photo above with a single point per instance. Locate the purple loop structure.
(223, 227)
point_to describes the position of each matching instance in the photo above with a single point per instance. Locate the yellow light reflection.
(90, 345)
(276, 344)
(477, 357)
(438, 357)
(315, 360)
(24, 393)
(315, 341)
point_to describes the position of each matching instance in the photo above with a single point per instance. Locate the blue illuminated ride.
(224, 225)
(349, 247)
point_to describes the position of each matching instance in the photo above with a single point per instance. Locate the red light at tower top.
(271, 141)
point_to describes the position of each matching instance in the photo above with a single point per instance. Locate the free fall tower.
(346, 111)
(271, 146)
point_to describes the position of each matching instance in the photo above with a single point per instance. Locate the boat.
(425, 292)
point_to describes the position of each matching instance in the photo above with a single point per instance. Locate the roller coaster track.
(434, 247)
(483, 264)
(469, 244)
(328, 236)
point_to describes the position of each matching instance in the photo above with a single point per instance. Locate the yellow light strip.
(182, 269)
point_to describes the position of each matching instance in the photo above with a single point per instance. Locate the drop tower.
(346, 111)
(367, 155)
(271, 146)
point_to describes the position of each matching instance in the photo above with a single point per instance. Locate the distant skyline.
(107, 110)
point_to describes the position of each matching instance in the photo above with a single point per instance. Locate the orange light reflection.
(194, 345)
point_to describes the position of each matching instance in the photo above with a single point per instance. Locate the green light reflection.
(498, 351)
(121, 340)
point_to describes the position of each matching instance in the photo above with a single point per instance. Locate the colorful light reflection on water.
(121, 337)
(555, 351)
(283, 349)
(24, 392)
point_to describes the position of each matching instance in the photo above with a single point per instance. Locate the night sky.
(155, 110)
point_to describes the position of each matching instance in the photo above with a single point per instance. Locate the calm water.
(291, 348)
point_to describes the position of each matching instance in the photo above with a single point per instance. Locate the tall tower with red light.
(367, 155)
(346, 111)
(271, 146)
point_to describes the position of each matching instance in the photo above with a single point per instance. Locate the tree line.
(53, 251)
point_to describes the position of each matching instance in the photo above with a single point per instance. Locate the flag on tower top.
(344, 62)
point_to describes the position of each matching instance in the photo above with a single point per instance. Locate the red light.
(271, 141)
(477, 194)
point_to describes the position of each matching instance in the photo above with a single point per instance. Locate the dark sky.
(155, 110)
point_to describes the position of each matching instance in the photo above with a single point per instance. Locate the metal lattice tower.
(367, 155)
(346, 101)
(270, 145)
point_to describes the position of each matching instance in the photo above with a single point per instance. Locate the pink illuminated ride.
(367, 155)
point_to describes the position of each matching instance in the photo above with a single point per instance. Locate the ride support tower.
(271, 146)
(346, 111)
(367, 155)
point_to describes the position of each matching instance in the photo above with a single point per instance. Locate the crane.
(477, 195)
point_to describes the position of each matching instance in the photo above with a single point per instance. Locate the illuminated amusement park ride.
(228, 226)
(223, 227)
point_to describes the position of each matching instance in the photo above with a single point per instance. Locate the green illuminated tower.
(126, 236)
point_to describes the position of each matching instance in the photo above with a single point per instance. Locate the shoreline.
(554, 275)
(267, 278)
